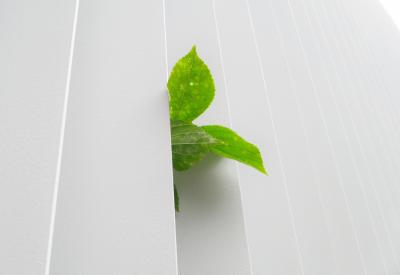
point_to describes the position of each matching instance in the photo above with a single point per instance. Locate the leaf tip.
(261, 167)
(194, 49)
(262, 170)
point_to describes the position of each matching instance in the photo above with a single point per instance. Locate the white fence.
(86, 176)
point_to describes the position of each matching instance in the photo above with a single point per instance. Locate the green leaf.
(176, 198)
(190, 144)
(234, 147)
(191, 88)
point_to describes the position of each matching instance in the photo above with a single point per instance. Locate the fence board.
(115, 211)
(35, 41)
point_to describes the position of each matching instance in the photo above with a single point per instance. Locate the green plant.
(191, 90)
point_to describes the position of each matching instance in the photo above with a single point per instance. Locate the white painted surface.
(313, 83)
(341, 118)
(35, 38)
(115, 211)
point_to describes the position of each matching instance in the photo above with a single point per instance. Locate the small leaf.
(191, 88)
(186, 133)
(234, 147)
(190, 144)
(176, 198)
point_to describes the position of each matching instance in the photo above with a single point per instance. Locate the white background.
(392, 7)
